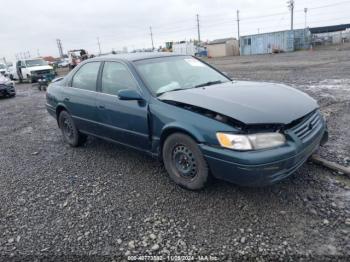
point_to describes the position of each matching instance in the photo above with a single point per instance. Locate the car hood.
(37, 68)
(248, 102)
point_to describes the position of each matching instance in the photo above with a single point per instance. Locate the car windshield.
(35, 62)
(177, 73)
(2, 66)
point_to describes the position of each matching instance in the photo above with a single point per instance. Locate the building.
(275, 42)
(223, 47)
(184, 48)
(328, 35)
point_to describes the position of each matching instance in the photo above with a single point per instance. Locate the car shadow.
(290, 190)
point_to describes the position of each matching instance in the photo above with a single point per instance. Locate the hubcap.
(184, 161)
(68, 128)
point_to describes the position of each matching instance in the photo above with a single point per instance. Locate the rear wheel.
(70, 133)
(185, 162)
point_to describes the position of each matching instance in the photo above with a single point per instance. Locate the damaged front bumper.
(265, 167)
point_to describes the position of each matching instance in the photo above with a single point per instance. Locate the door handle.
(66, 99)
(101, 107)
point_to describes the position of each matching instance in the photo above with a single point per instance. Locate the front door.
(19, 69)
(120, 120)
(80, 97)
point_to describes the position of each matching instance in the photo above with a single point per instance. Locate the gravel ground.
(103, 202)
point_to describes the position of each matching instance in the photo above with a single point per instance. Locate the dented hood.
(248, 102)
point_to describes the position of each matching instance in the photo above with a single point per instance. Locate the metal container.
(282, 41)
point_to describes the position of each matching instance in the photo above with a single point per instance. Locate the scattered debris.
(334, 166)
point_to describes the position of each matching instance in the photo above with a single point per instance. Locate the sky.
(33, 26)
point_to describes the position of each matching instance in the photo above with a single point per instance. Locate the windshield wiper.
(176, 89)
(208, 83)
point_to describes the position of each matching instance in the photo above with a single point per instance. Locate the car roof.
(131, 57)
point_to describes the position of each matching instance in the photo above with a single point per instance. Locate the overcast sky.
(35, 25)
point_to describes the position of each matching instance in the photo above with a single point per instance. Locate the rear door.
(80, 96)
(123, 121)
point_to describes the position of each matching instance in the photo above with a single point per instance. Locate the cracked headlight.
(251, 141)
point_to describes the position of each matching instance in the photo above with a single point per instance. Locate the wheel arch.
(59, 109)
(178, 128)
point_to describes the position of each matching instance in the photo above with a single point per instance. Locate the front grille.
(307, 128)
(42, 72)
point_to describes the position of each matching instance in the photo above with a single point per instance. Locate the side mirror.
(129, 94)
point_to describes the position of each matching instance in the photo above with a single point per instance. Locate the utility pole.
(59, 45)
(291, 8)
(198, 30)
(238, 25)
(151, 33)
(305, 11)
(99, 45)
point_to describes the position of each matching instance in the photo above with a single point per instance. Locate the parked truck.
(32, 70)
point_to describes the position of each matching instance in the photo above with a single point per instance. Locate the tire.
(70, 133)
(184, 162)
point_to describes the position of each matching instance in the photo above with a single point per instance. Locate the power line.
(218, 22)
(297, 10)
(330, 5)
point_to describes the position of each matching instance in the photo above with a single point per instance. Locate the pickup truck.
(32, 70)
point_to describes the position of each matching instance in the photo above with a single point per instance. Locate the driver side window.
(115, 77)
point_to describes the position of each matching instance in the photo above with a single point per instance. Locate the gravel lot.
(104, 202)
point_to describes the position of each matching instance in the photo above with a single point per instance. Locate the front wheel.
(70, 133)
(185, 162)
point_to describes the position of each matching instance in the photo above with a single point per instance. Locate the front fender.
(27, 72)
(182, 127)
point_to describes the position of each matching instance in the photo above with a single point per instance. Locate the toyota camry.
(191, 116)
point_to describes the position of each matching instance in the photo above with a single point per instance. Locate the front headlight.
(252, 141)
